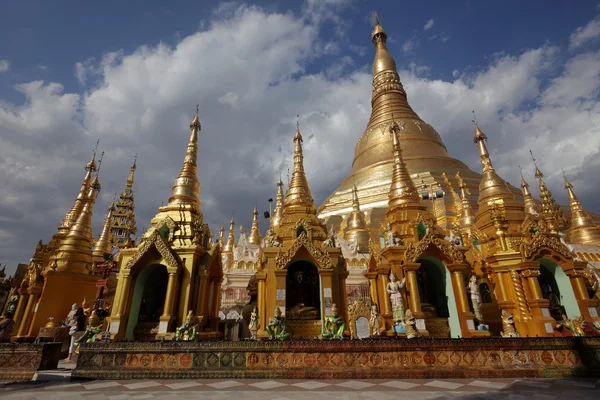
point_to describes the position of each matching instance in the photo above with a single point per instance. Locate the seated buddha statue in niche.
(303, 297)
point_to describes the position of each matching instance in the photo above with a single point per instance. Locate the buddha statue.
(276, 326)
(334, 326)
(187, 331)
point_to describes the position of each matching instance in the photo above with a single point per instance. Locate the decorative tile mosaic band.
(532, 357)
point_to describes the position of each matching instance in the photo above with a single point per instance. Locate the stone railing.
(20, 361)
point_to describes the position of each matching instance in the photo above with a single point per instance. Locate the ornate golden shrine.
(299, 244)
(178, 258)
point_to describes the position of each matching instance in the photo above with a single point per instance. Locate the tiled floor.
(522, 389)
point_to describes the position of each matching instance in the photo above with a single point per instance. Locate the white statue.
(253, 325)
(473, 289)
(375, 321)
(393, 288)
(70, 315)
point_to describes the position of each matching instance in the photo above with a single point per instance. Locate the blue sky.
(130, 73)
(58, 34)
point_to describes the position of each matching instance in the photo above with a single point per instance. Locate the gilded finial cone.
(491, 186)
(255, 237)
(298, 194)
(186, 189)
(402, 189)
(582, 230)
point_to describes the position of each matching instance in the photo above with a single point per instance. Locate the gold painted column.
(21, 303)
(170, 297)
(577, 278)
(28, 314)
(261, 276)
(387, 305)
(460, 287)
(410, 271)
(372, 277)
(124, 294)
(201, 304)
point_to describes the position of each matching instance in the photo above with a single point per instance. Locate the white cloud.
(410, 44)
(585, 33)
(143, 102)
(4, 65)
(428, 25)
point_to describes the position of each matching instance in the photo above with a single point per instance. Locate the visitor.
(77, 329)
(6, 327)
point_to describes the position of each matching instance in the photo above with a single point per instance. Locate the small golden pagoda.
(122, 221)
(174, 270)
(60, 272)
(301, 272)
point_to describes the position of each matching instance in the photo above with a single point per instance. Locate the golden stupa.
(424, 153)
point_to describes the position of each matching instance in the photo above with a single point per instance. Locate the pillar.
(28, 313)
(21, 303)
(465, 316)
(414, 300)
(202, 303)
(542, 323)
(261, 276)
(587, 306)
(387, 305)
(168, 316)
(372, 277)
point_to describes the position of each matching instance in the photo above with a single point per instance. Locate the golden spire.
(402, 190)
(123, 224)
(74, 212)
(131, 173)
(298, 193)
(455, 197)
(276, 219)
(230, 245)
(357, 226)
(186, 189)
(383, 59)
(255, 237)
(582, 229)
(551, 213)
(530, 204)
(491, 186)
(103, 244)
(75, 251)
(467, 216)
(389, 98)
(222, 236)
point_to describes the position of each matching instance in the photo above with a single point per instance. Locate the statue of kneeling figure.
(334, 325)
(187, 331)
(276, 326)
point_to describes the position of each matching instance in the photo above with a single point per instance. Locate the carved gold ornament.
(360, 308)
(159, 243)
(320, 255)
(413, 252)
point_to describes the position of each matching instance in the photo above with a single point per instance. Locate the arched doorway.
(303, 291)
(556, 288)
(147, 303)
(437, 298)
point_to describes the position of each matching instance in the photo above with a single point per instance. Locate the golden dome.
(582, 229)
(255, 237)
(356, 226)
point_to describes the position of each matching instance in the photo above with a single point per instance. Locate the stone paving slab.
(529, 388)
